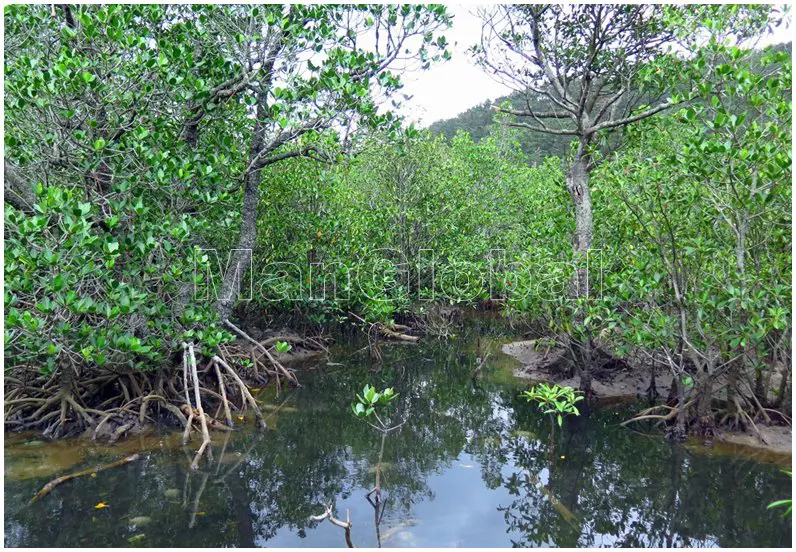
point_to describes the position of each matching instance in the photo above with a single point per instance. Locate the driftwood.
(344, 524)
(395, 335)
(387, 332)
(64, 478)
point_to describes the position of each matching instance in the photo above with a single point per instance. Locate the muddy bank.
(778, 439)
(540, 363)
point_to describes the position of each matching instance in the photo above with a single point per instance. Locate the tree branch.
(633, 118)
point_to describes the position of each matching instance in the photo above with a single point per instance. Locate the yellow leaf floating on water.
(94, 474)
(255, 389)
(100, 506)
(240, 418)
(562, 457)
(200, 513)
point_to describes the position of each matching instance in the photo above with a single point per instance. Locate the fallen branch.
(64, 478)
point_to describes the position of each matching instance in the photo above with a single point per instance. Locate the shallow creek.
(474, 465)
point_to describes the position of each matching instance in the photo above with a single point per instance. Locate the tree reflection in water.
(604, 485)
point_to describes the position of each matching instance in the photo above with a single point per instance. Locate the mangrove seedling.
(368, 404)
(369, 401)
(283, 346)
(555, 400)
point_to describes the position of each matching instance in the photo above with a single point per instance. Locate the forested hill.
(478, 120)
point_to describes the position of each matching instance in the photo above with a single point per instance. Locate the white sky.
(449, 88)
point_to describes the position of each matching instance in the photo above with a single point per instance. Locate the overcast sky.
(449, 88)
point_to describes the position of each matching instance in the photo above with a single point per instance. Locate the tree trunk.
(704, 388)
(230, 287)
(578, 187)
(680, 431)
(579, 191)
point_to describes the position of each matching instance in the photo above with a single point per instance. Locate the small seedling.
(554, 400)
(283, 346)
(370, 399)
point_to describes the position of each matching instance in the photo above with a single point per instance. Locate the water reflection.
(473, 466)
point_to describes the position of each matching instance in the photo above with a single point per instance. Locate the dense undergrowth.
(134, 134)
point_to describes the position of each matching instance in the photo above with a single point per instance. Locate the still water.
(473, 465)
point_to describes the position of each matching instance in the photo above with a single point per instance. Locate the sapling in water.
(368, 405)
(370, 401)
(555, 400)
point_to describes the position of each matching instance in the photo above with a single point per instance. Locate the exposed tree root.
(245, 392)
(276, 364)
(111, 405)
(55, 482)
(188, 349)
(227, 412)
(648, 413)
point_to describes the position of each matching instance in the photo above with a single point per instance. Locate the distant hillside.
(479, 119)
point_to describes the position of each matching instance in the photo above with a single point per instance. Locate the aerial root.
(191, 362)
(111, 405)
(225, 402)
(648, 413)
(244, 391)
(785, 417)
(751, 422)
(276, 364)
